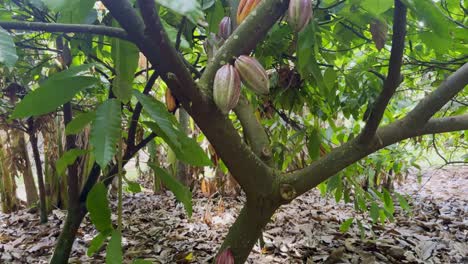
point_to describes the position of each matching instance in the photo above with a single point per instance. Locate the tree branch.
(65, 28)
(393, 78)
(254, 131)
(432, 103)
(347, 154)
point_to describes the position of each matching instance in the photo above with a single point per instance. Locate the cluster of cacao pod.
(299, 14)
(227, 82)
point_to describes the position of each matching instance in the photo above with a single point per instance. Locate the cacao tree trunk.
(64, 244)
(247, 229)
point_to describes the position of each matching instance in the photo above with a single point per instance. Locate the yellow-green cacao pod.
(226, 88)
(252, 74)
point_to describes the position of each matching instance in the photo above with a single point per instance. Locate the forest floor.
(306, 231)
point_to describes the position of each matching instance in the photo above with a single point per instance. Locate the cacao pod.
(252, 74)
(225, 28)
(171, 102)
(225, 257)
(245, 7)
(226, 88)
(299, 13)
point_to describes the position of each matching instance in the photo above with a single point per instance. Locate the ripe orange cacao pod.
(245, 7)
(225, 28)
(226, 88)
(225, 257)
(171, 102)
(252, 74)
(299, 14)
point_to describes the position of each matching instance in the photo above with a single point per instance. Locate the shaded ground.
(306, 231)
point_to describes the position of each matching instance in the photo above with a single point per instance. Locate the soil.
(156, 228)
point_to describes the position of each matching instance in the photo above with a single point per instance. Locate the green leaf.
(67, 159)
(79, 123)
(50, 95)
(181, 192)
(105, 131)
(344, 227)
(374, 212)
(313, 144)
(329, 78)
(142, 261)
(80, 70)
(7, 49)
(376, 7)
(114, 253)
(74, 11)
(96, 244)
(189, 8)
(167, 127)
(125, 56)
(428, 11)
(214, 16)
(403, 202)
(133, 187)
(388, 202)
(98, 208)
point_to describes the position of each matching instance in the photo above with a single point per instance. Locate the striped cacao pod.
(299, 14)
(226, 88)
(225, 28)
(245, 7)
(252, 74)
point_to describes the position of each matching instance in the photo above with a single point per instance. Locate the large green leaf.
(67, 159)
(74, 11)
(98, 208)
(95, 244)
(105, 131)
(189, 8)
(430, 14)
(79, 123)
(114, 253)
(376, 7)
(125, 56)
(167, 127)
(7, 49)
(50, 95)
(185, 148)
(181, 192)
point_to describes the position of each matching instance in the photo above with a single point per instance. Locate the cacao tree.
(346, 84)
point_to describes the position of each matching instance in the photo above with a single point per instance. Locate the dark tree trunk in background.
(40, 175)
(182, 168)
